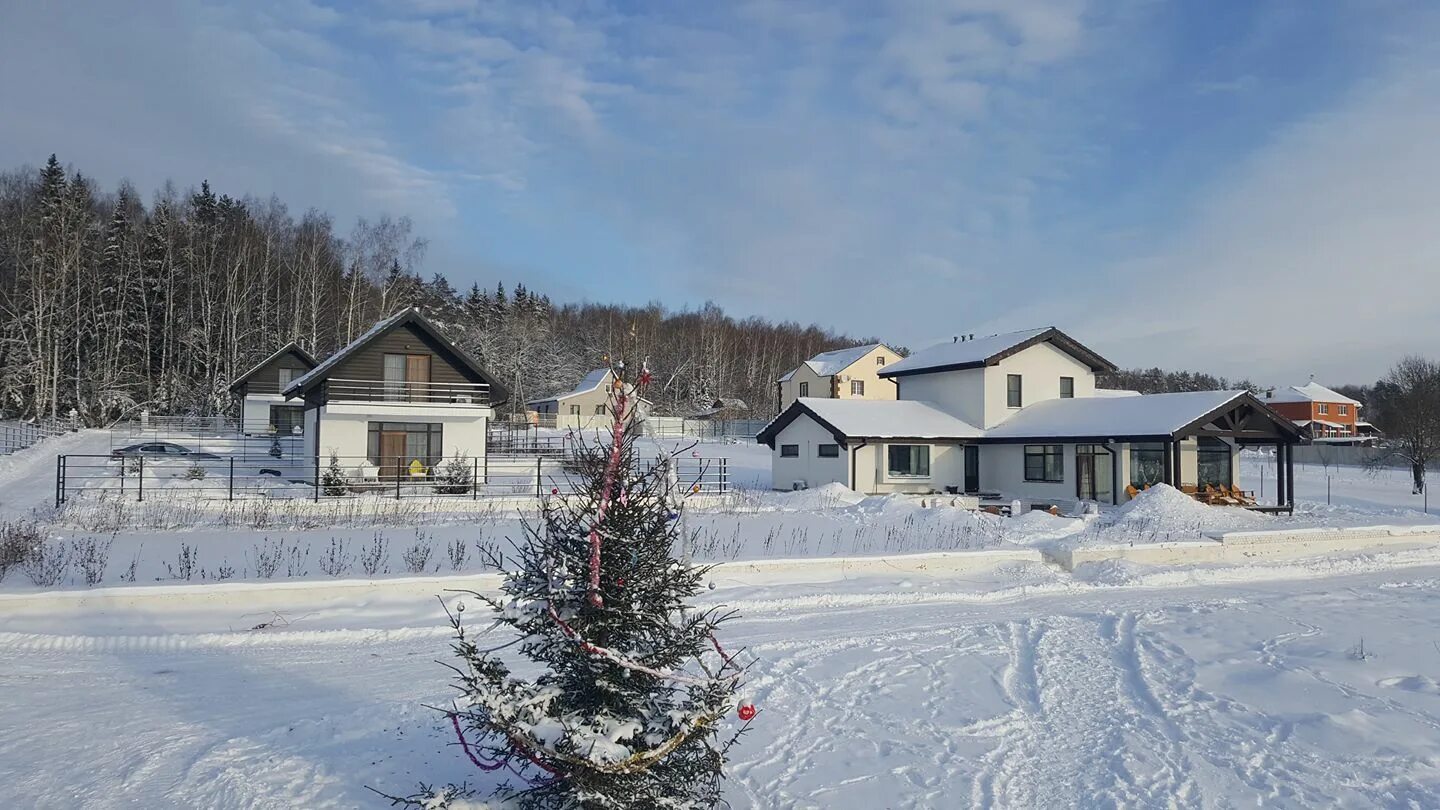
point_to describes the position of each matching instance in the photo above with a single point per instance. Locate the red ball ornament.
(746, 711)
(554, 490)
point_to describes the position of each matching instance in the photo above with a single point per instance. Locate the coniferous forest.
(110, 303)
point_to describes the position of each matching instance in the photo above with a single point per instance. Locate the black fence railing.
(343, 390)
(147, 478)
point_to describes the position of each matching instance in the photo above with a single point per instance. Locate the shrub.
(16, 541)
(336, 560)
(92, 557)
(333, 480)
(455, 477)
(375, 559)
(46, 563)
(196, 472)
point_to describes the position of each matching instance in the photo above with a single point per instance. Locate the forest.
(111, 305)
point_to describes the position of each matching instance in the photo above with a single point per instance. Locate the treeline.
(1159, 381)
(108, 305)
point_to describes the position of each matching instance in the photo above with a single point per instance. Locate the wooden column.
(1290, 477)
(1280, 464)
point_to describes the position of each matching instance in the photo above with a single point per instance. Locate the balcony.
(408, 393)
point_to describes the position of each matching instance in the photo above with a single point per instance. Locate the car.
(161, 450)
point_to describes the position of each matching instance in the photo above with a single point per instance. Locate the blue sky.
(1247, 188)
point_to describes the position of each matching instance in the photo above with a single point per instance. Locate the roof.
(291, 347)
(873, 419)
(1116, 392)
(828, 364)
(1149, 415)
(411, 315)
(988, 351)
(1307, 422)
(592, 381)
(1310, 392)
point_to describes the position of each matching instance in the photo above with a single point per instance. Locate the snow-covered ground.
(1017, 688)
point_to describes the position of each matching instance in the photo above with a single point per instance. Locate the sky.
(1249, 189)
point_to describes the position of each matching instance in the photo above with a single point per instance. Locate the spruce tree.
(629, 707)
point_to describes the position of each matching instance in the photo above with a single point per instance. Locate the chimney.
(955, 339)
(971, 337)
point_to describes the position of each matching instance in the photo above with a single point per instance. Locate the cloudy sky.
(1247, 188)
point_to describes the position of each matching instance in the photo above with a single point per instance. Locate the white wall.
(1040, 367)
(808, 466)
(348, 434)
(1002, 469)
(958, 393)
(947, 469)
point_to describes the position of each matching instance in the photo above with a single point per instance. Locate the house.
(842, 374)
(1017, 416)
(263, 409)
(722, 409)
(399, 399)
(587, 405)
(1322, 415)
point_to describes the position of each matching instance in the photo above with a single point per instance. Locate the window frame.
(1324, 408)
(1207, 449)
(789, 451)
(879, 359)
(919, 461)
(853, 386)
(1144, 450)
(600, 410)
(1064, 393)
(827, 450)
(1050, 465)
(1014, 391)
(804, 389)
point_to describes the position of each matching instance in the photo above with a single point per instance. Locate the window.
(1324, 407)
(600, 410)
(828, 450)
(1067, 387)
(879, 360)
(1013, 396)
(908, 460)
(574, 410)
(1045, 463)
(405, 376)
(285, 418)
(287, 376)
(804, 389)
(857, 388)
(1212, 457)
(397, 445)
(789, 451)
(1343, 410)
(1147, 464)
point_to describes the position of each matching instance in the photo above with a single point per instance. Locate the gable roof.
(828, 364)
(411, 316)
(289, 348)
(1311, 392)
(592, 381)
(872, 419)
(1148, 416)
(988, 351)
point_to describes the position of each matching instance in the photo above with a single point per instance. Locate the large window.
(1067, 387)
(286, 376)
(804, 389)
(285, 418)
(401, 445)
(1013, 395)
(1147, 463)
(789, 451)
(828, 450)
(1045, 463)
(406, 376)
(1213, 462)
(857, 388)
(908, 460)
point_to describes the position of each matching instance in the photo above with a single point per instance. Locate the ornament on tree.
(746, 711)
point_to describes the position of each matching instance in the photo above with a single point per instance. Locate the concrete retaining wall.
(1240, 547)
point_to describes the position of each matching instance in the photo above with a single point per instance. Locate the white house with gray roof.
(851, 373)
(1018, 416)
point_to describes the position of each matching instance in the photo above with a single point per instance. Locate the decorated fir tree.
(629, 707)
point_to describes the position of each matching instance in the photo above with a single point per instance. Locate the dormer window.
(1013, 394)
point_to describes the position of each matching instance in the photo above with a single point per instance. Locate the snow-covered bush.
(16, 541)
(455, 476)
(47, 562)
(92, 557)
(334, 481)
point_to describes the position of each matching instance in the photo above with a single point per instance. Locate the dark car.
(161, 450)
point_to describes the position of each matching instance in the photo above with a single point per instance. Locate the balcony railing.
(441, 393)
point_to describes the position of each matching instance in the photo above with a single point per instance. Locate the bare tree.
(1407, 403)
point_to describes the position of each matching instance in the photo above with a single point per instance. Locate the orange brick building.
(1322, 414)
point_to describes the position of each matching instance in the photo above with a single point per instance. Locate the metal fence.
(214, 478)
(213, 436)
(18, 435)
(675, 427)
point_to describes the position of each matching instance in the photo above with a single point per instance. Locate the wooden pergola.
(1247, 422)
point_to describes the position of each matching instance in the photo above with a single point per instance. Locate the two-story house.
(852, 373)
(587, 405)
(263, 408)
(1322, 415)
(400, 399)
(1018, 416)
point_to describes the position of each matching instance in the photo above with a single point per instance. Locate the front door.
(392, 452)
(972, 468)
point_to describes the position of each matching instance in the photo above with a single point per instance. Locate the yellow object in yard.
(417, 469)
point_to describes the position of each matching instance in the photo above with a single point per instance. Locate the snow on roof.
(319, 372)
(884, 419)
(1146, 415)
(592, 381)
(1310, 392)
(963, 352)
(828, 364)
(292, 346)
(1116, 392)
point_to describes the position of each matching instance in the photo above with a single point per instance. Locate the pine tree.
(634, 688)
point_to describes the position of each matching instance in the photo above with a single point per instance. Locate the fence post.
(537, 476)
(487, 469)
(724, 475)
(232, 478)
(399, 471)
(59, 488)
(475, 480)
(140, 480)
